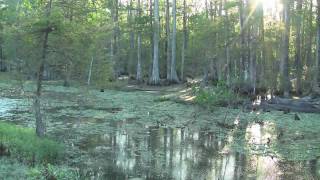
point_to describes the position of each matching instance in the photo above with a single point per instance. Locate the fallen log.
(307, 105)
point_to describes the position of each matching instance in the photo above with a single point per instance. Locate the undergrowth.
(23, 144)
(219, 95)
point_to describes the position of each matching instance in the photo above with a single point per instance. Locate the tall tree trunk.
(298, 64)
(262, 53)
(155, 77)
(184, 41)
(40, 125)
(207, 8)
(285, 81)
(115, 44)
(227, 48)
(253, 58)
(316, 68)
(309, 47)
(132, 37)
(139, 68)
(242, 42)
(174, 76)
(168, 42)
(151, 35)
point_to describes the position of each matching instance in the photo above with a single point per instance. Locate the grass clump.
(23, 144)
(11, 169)
(220, 95)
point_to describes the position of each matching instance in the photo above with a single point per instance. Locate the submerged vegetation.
(114, 134)
(160, 89)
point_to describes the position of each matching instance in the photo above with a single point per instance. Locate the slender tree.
(309, 46)
(227, 44)
(185, 37)
(174, 76)
(132, 34)
(285, 81)
(316, 68)
(168, 42)
(139, 68)
(243, 60)
(40, 125)
(298, 63)
(155, 77)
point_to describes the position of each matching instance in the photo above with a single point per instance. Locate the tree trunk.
(184, 41)
(316, 68)
(90, 72)
(151, 34)
(253, 58)
(115, 45)
(155, 77)
(174, 76)
(227, 48)
(139, 68)
(40, 125)
(132, 37)
(2, 67)
(242, 42)
(298, 64)
(309, 48)
(168, 42)
(285, 81)
(262, 53)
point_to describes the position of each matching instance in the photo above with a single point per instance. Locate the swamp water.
(130, 135)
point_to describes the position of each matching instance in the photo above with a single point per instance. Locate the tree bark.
(316, 68)
(40, 125)
(298, 64)
(151, 35)
(155, 77)
(262, 52)
(132, 37)
(139, 68)
(309, 48)
(115, 45)
(174, 77)
(285, 81)
(227, 48)
(242, 42)
(168, 42)
(184, 41)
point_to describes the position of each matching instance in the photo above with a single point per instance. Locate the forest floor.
(153, 133)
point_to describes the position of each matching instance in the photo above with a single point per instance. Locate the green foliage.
(45, 172)
(12, 169)
(23, 144)
(220, 95)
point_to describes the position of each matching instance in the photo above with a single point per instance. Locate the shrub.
(219, 95)
(23, 144)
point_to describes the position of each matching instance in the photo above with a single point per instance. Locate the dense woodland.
(159, 89)
(254, 45)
